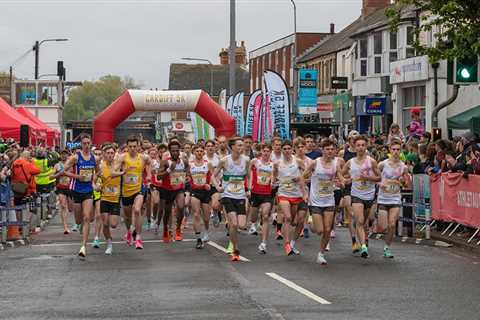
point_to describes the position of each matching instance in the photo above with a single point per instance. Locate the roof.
(287, 38)
(344, 39)
(197, 76)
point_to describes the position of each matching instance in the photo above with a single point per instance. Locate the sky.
(141, 38)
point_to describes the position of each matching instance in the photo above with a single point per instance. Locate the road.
(46, 280)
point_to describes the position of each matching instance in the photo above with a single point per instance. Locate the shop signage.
(375, 105)
(408, 70)
(307, 91)
(322, 106)
(339, 83)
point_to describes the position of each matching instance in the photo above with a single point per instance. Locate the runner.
(394, 175)
(300, 148)
(85, 165)
(213, 160)
(277, 156)
(133, 163)
(292, 196)
(173, 173)
(260, 180)
(152, 204)
(325, 173)
(156, 187)
(63, 190)
(97, 194)
(200, 174)
(364, 173)
(110, 195)
(222, 147)
(235, 168)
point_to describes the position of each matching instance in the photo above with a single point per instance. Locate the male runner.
(300, 148)
(364, 173)
(394, 175)
(213, 160)
(277, 156)
(235, 169)
(292, 196)
(97, 194)
(222, 147)
(63, 189)
(133, 163)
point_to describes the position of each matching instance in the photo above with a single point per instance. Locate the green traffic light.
(467, 70)
(465, 73)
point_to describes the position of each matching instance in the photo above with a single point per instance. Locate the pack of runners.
(298, 186)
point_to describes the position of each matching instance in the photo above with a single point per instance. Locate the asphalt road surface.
(46, 280)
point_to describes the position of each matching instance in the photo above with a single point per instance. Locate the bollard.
(4, 224)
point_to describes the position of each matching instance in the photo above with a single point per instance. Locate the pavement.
(46, 280)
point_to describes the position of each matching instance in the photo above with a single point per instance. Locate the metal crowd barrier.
(22, 221)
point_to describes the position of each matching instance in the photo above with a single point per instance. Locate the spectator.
(412, 154)
(454, 164)
(395, 134)
(415, 128)
(426, 138)
(424, 161)
(23, 171)
(310, 147)
(474, 161)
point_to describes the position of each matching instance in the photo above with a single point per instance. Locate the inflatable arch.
(161, 101)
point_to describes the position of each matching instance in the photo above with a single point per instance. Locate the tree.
(457, 23)
(93, 97)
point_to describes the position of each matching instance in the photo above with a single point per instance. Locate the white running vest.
(286, 173)
(234, 178)
(390, 187)
(214, 162)
(362, 189)
(322, 184)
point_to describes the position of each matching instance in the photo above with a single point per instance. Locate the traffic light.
(466, 70)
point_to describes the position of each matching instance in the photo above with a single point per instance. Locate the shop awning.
(469, 119)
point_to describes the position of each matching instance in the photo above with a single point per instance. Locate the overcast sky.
(141, 38)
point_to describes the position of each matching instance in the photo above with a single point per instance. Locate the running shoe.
(236, 256)
(332, 234)
(128, 238)
(288, 249)
(166, 237)
(205, 237)
(294, 249)
(356, 247)
(321, 259)
(262, 248)
(83, 252)
(109, 249)
(215, 219)
(155, 229)
(178, 235)
(306, 233)
(301, 233)
(327, 248)
(253, 230)
(279, 235)
(96, 243)
(199, 244)
(230, 247)
(364, 251)
(387, 253)
(139, 244)
(66, 231)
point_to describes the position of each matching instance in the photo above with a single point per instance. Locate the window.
(363, 48)
(393, 54)
(378, 64)
(413, 97)
(410, 50)
(377, 51)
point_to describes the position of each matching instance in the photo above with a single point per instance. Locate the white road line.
(297, 288)
(219, 247)
(61, 244)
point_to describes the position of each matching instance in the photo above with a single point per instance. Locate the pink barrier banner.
(454, 198)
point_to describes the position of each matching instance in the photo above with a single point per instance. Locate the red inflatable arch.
(161, 101)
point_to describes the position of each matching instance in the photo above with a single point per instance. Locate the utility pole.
(231, 52)
(294, 60)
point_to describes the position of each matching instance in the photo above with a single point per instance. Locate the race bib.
(363, 184)
(264, 178)
(131, 179)
(177, 178)
(391, 186)
(111, 190)
(235, 186)
(87, 173)
(64, 180)
(199, 179)
(287, 184)
(325, 187)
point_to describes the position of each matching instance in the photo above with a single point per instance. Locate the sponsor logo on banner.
(278, 99)
(257, 109)
(375, 105)
(237, 113)
(307, 91)
(229, 105)
(249, 121)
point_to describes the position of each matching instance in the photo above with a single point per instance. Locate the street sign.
(339, 83)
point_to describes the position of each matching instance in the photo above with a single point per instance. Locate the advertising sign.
(278, 99)
(339, 83)
(375, 105)
(307, 91)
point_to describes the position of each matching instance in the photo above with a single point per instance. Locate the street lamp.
(36, 48)
(211, 70)
(295, 86)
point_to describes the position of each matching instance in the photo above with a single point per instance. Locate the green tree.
(93, 97)
(458, 23)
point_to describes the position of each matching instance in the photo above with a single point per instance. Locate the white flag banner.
(249, 119)
(278, 98)
(237, 113)
(222, 99)
(230, 104)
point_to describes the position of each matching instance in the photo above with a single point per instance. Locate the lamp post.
(36, 48)
(232, 50)
(211, 70)
(294, 67)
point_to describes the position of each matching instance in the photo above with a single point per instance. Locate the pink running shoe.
(138, 244)
(128, 238)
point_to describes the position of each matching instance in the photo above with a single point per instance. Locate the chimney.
(223, 56)
(370, 6)
(332, 28)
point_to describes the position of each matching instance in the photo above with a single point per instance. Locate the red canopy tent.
(11, 121)
(53, 136)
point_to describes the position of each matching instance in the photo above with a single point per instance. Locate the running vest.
(234, 178)
(200, 175)
(286, 173)
(390, 187)
(43, 178)
(132, 180)
(110, 186)
(63, 181)
(262, 177)
(84, 168)
(362, 189)
(157, 180)
(275, 157)
(214, 162)
(175, 180)
(323, 184)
